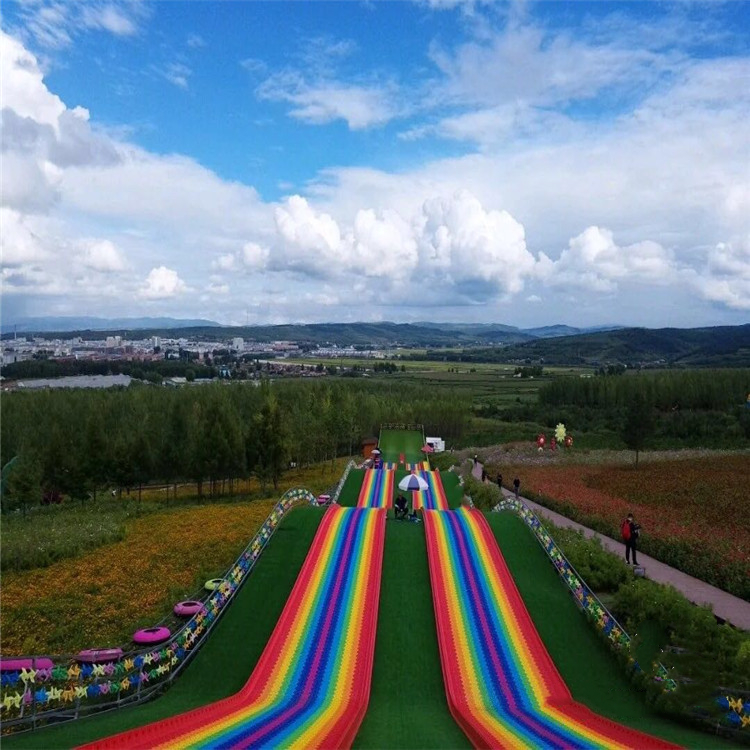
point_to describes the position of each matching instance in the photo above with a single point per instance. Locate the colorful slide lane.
(409, 466)
(377, 489)
(434, 497)
(503, 688)
(311, 685)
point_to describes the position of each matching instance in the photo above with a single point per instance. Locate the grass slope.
(226, 661)
(453, 489)
(395, 442)
(590, 671)
(350, 491)
(408, 707)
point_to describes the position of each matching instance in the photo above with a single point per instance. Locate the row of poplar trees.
(75, 443)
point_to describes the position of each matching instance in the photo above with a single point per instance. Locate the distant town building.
(238, 344)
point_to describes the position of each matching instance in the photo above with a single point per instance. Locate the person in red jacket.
(630, 531)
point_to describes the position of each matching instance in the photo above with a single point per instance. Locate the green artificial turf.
(350, 491)
(453, 489)
(225, 662)
(591, 672)
(395, 442)
(408, 707)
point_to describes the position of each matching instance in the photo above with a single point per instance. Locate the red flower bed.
(696, 506)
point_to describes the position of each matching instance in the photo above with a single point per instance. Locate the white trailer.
(437, 443)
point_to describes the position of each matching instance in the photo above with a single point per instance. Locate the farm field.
(691, 510)
(98, 599)
(413, 366)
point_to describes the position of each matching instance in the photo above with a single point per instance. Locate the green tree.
(272, 441)
(639, 424)
(24, 485)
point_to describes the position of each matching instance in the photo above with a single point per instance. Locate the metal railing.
(335, 496)
(68, 687)
(585, 598)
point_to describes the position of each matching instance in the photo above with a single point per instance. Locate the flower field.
(316, 478)
(97, 600)
(693, 512)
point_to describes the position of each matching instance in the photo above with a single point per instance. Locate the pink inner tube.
(95, 656)
(15, 665)
(187, 608)
(151, 635)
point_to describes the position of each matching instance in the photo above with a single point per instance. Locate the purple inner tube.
(95, 656)
(151, 635)
(15, 665)
(187, 608)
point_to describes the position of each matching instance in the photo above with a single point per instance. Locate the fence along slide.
(311, 685)
(434, 497)
(377, 489)
(503, 688)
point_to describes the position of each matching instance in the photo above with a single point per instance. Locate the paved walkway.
(726, 606)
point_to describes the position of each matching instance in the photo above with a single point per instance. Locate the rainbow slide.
(503, 688)
(434, 497)
(311, 685)
(377, 489)
(417, 466)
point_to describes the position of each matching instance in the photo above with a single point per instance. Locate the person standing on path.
(516, 486)
(500, 482)
(630, 532)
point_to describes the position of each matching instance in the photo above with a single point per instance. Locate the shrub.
(484, 495)
(602, 570)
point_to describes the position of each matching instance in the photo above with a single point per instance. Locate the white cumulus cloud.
(482, 252)
(102, 255)
(162, 283)
(595, 261)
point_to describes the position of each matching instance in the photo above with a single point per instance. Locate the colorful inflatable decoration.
(568, 441)
(541, 439)
(560, 432)
(147, 636)
(188, 608)
(502, 687)
(311, 685)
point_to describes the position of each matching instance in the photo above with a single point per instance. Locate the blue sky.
(526, 163)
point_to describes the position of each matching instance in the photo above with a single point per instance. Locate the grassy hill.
(723, 346)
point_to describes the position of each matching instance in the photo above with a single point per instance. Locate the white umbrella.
(412, 482)
(375, 451)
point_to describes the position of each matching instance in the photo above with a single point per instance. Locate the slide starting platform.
(434, 497)
(502, 687)
(377, 489)
(311, 685)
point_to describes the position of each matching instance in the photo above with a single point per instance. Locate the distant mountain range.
(495, 332)
(721, 346)
(76, 323)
